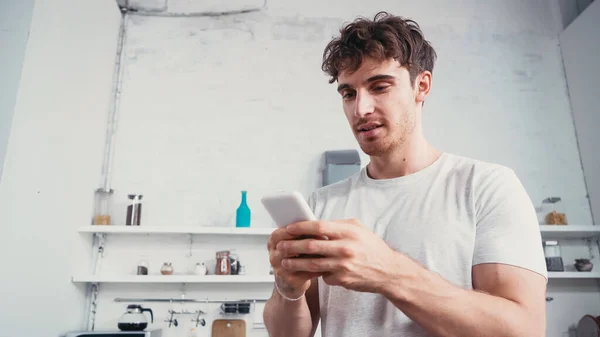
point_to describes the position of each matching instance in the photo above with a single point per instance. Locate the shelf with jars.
(266, 279)
(548, 231)
(167, 230)
(573, 275)
(557, 232)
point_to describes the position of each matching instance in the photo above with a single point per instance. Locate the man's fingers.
(330, 229)
(278, 235)
(351, 221)
(316, 265)
(329, 248)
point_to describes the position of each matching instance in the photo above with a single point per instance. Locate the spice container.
(553, 211)
(134, 210)
(554, 261)
(234, 261)
(166, 269)
(223, 266)
(142, 267)
(102, 202)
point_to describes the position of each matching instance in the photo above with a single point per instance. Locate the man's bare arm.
(284, 318)
(508, 301)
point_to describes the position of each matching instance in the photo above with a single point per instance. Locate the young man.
(419, 243)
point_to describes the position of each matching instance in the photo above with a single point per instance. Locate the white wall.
(53, 163)
(581, 53)
(569, 10)
(15, 17)
(202, 98)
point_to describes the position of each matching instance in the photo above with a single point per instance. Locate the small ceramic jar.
(583, 265)
(166, 269)
(200, 269)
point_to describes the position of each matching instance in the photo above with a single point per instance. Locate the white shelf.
(550, 232)
(557, 232)
(114, 229)
(574, 274)
(224, 279)
(266, 279)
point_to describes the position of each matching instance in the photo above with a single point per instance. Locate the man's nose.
(364, 105)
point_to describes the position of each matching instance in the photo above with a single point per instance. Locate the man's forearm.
(445, 310)
(287, 318)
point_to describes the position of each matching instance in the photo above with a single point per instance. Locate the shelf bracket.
(101, 242)
(99, 254)
(590, 249)
(191, 237)
(182, 297)
(94, 288)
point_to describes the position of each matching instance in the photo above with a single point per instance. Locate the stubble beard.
(391, 141)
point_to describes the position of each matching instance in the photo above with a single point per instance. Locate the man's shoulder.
(337, 189)
(489, 182)
(469, 163)
(479, 170)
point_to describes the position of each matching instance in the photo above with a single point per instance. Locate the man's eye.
(381, 88)
(348, 95)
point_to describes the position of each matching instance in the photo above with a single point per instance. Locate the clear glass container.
(102, 207)
(552, 252)
(142, 267)
(223, 266)
(134, 210)
(552, 249)
(234, 261)
(553, 211)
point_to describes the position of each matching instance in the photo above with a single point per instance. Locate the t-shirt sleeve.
(312, 201)
(507, 226)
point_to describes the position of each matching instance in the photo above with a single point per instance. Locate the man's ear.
(422, 86)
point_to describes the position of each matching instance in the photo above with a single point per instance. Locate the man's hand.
(352, 257)
(290, 283)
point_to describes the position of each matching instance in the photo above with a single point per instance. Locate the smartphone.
(287, 207)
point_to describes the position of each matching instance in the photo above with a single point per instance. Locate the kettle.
(134, 319)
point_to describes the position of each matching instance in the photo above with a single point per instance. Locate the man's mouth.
(368, 127)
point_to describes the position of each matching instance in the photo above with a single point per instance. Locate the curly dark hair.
(386, 36)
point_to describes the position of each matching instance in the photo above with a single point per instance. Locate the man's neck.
(410, 157)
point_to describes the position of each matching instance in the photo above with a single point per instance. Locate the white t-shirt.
(450, 216)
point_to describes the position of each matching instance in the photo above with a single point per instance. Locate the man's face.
(380, 104)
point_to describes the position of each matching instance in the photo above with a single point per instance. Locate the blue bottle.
(242, 216)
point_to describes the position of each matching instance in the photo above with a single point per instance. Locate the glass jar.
(234, 261)
(223, 266)
(102, 203)
(134, 210)
(142, 267)
(553, 211)
(166, 269)
(554, 261)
